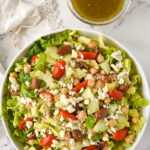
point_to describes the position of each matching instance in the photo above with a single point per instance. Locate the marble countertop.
(132, 30)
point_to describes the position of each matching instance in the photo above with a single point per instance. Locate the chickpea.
(92, 45)
(135, 120)
(124, 110)
(101, 103)
(100, 58)
(32, 142)
(27, 68)
(112, 122)
(76, 82)
(64, 91)
(98, 84)
(13, 75)
(93, 70)
(81, 115)
(129, 139)
(91, 83)
(107, 100)
(67, 136)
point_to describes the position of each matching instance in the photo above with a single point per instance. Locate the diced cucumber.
(112, 85)
(84, 40)
(112, 109)
(53, 52)
(100, 126)
(93, 63)
(87, 94)
(105, 67)
(122, 122)
(67, 58)
(93, 106)
(79, 74)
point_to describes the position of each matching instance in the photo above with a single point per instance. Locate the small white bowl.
(109, 41)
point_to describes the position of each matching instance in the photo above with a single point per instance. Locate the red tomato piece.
(91, 147)
(87, 55)
(48, 140)
(59, 69)
(48, 94)
(66, 114)
(120, 134)
(116, 94)
(80, 86)
(22, 124)
(34, 58)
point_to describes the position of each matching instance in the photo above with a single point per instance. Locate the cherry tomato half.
(59, 69)
(34, 58)
(87, 55)
(120, 134)
(80, 86)
(48, 140)
(22, 124)
(47, 94)
(116, 94)
(66, 114)
(91, 147)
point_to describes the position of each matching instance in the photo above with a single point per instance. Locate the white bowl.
(109, 41)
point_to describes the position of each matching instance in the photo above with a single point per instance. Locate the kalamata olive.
(102, 146)
(31, 136)
(64, 49)
(35, 84)
(101, 113)
(123, 88)
(82, 65)
(77, 135)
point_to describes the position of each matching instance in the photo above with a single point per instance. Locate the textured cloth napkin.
(26, 20)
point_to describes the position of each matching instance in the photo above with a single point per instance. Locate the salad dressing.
(98, 10)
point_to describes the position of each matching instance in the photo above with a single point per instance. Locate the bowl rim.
(87, 31)
(99, 23)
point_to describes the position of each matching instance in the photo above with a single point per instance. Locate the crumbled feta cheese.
(62, 134)
(121, 81)
(54, 92)
(17, 69)
(117, 55)
(56, 112)
(105, 137)
(117, 67)
(113, 129)
(70, 109)
(61, 57)
(69, 125)
(61, 119)
(64, 99)
(15, 87)
(54, 143)
(73, 64)
(103, 93)
(70, 86)
(82, 89)
(89, 136)
(86, 101)
(29, 134)
(29, 124)
(89, 76)
(74, 54)
(72, 141)
(27, 83)
(72, 93)
(79, 47)
(25, 59)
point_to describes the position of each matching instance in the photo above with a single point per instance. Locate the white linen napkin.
(26, 20)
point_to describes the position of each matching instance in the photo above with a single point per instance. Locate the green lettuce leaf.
(41, 62)
(90, 122)
(24, 77)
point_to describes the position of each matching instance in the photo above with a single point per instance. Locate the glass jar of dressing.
(98, 12)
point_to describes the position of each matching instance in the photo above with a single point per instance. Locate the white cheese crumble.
(27, 83)
(65, 148)
(72, 93)
(117, 67)
(62, 134)
(56, 112)
(54, 92)
(54, 143)
(89, 76)
(72, 141)
(105, 137)
(70, 109)
(64, 99)
(29, 124)
(117, 55)
(15, 87)
(79, 47)
(86, 101)
(74, 54)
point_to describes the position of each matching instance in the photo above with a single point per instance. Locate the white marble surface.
(132, 30)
